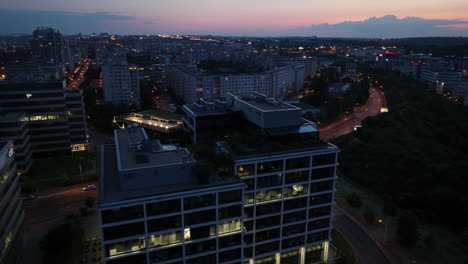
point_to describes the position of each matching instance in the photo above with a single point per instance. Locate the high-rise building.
(47, 46)
(12, 127)
(262, 194)
(121, 85)
(55, 116)
(11, 207)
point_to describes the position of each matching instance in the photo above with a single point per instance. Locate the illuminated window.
(28, 95)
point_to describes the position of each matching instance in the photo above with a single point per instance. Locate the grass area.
(60, 171)
(446, 246)
(344, 248)
(162, 114)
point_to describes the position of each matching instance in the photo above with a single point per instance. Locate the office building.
(47, 46)
(270, 200)
(55, 116)
(441, 76)
(11, 207)
(121, 85)
(12, 127)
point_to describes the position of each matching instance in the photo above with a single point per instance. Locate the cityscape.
(233, 132)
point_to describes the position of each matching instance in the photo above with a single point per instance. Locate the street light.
(386, 228)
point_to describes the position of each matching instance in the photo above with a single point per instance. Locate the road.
(47, 210)
(346, 124)
(365, 247)
(76, 82)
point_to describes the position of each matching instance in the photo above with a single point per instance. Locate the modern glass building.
(11, 206)
(260, 194)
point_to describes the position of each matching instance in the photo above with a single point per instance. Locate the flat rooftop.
(110, 189)
(134, 150)
(262, 102)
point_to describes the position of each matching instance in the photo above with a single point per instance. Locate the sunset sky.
(240, 17)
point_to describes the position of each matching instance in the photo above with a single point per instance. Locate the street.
(346, 124)
(47, 210)
(365, 247)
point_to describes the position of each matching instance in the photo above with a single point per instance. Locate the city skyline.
(241, 18)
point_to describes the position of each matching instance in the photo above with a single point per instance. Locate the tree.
(354, 200)
(369, 215)
(408, 229)
(89, 202)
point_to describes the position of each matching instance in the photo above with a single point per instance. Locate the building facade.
(121, 85)
(47, 46)
(271, 204)
(190, 84)
(55, 116)
(11, 207)
(12, 127)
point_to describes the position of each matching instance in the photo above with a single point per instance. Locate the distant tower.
(47, 46)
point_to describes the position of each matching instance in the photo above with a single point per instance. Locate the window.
(295, 204)
(269, 208)
(268, 222)
(265, 248)
(321, 186)
(164, 207)
(137, 259)
(298, 163)
(199, 201)
(321, 211)
(269, 195)
(122, 214)
(200, 217)
(246, 170)
(270, 166)
(296, 190)
(294, 217)
(318, 236)
(298, 176)
(165, 223)
(293, 229)
(249, 198)
(230, 197)
(317, 224)
(323, 173)
(230, 226)
(165, 239)
(249, 211)
(165, 254)
(121, 231)
(267, 181)
(291, 257)
(230, 212)
(293, 242)
(229, 241)
(230, 255)
(267, 235)
(320, 199)
(195, 248)
(202, 232)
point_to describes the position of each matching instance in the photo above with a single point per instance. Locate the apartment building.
(121, 85)
(191, 84)
(11, 207)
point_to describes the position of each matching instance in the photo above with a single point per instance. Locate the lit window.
(28, 95)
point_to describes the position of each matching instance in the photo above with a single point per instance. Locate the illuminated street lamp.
(386, 228)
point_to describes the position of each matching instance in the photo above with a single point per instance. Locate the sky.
(331, 18)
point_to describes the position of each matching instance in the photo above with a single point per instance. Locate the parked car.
(89, 188)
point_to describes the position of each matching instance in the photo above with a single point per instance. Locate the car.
(27, 197)
(89, 188)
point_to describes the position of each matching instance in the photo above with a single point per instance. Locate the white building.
(190, 84)
(121, 85)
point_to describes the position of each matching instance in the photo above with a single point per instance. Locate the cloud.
(24, 21)
(389, 26)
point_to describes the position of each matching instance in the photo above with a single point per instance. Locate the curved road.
(365, 247)
(346, 124)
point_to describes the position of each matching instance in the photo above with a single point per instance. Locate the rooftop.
(134, 150)
(262, 102)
